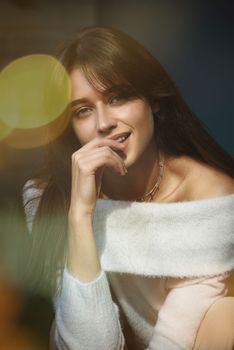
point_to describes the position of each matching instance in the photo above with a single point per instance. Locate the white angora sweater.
(166, 264)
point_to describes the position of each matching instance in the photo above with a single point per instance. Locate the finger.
(90, 162)
(102, 158)
(113, 152)
(97, 142)
(76, 156)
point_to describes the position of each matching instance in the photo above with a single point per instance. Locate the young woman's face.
(101, 115)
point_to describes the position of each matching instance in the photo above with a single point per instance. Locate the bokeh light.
(34, 90)
(5, 130)
(37, 137)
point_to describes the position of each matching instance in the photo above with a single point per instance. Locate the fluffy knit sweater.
(163, 266)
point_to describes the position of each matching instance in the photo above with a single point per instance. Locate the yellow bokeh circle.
(34, 91)
(5, 130)
(37, 137)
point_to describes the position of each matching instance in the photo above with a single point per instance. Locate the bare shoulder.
(204, 181)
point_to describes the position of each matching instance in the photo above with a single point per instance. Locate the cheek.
(145, 126)
(83, 131)
(143, 121)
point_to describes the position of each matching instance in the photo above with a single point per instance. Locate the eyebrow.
(78, 101)
(105, 93)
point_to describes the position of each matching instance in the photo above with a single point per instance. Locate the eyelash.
(79, 112)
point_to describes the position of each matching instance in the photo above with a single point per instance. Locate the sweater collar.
(190, 238)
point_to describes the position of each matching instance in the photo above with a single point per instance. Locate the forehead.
(86, 83)
(79, 84)
(83, 86)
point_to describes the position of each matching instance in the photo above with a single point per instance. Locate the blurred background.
(192, 39)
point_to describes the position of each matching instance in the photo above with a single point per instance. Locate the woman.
(136, 203)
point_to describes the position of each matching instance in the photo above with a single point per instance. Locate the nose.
(105, 120)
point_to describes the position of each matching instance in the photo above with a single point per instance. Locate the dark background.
(192, 39)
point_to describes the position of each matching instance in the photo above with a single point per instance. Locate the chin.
(136, 157)
(130, 160)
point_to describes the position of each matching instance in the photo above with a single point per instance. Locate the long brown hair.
(111, 60)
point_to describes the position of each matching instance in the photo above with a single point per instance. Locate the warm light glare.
(37, 137)
(34, 90)
(5, 130)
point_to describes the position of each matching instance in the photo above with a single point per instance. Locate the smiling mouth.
(122, 137)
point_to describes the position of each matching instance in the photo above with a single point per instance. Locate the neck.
(139, 180)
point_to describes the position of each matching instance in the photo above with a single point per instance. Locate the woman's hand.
(88, 164)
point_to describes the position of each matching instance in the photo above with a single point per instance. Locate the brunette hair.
(112, 61)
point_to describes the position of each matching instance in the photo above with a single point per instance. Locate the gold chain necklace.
(154, 189)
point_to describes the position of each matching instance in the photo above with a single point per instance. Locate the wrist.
(79, 221)
(79, 215)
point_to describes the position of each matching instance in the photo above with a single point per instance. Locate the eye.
(81, 112)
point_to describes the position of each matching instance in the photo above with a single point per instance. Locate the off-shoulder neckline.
(228, 197)
(208, 200)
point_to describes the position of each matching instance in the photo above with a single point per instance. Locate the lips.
(122, 137)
